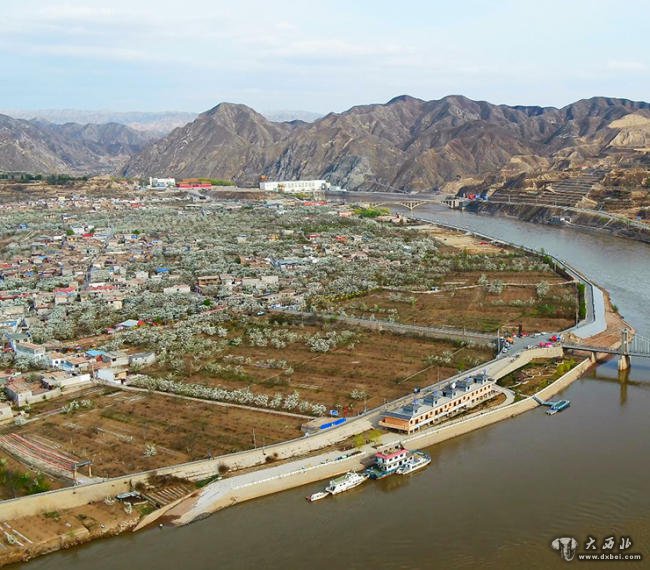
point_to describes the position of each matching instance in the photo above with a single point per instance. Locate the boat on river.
(417, 460)
(346, 482)
(558, 406)
(317, 496)
(387, 463)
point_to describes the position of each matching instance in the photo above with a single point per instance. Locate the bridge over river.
(631, 345)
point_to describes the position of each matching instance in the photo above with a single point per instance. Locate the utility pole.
(254, 440)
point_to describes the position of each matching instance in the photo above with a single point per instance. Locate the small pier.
(553, 406)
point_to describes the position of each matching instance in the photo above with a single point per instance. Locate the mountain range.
(405, 144)
(156, 123)
(38, 146)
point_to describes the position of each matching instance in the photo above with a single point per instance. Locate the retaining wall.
(76, 496)
(269, 485)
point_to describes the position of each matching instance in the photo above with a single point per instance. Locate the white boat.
(317, 496)
(417, 460)
(346, 482)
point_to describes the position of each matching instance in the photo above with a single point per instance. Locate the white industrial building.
(162, 182)
(295, 186)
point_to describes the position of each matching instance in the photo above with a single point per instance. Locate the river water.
(495, 498)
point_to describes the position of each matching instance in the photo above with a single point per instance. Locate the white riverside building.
(295, 186)
(454, 398)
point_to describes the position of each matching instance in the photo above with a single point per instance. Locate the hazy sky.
(317, 55)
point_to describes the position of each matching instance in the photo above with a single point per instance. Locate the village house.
(43, 302)
(175, 289)
(75, 364)
(112, 374)
(208, 280)
(64, 380)
(6, 413)
(115, 358)
(263, 283)
(20, 392)
(65, 295)
(30, 351)
(125, 325)
(142, 358)
(10, 326)
(56, 359)
(289, 263)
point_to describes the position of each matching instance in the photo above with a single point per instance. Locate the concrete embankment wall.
(269, 485)
(67, 498)
(524, 358)
(80, 495)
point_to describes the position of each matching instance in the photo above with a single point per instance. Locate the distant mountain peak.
(404, 99)
(405, 143)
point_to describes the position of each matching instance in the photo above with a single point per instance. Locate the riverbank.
(37, 535)
(265, 486)
(580, 219)
(238, 489)
(261, 482)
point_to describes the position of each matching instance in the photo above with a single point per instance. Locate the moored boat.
(387, 463)
(346, 482)
(558, 407)
(317, 496)
(417, 460)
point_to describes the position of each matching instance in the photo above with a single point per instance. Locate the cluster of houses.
(454, 398)
(84, 262)
(89, 263)
(55, 373)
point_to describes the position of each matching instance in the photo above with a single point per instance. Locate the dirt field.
(462, 303)
(115, 432)
(379, 364)
(11, 484)
(459, 241)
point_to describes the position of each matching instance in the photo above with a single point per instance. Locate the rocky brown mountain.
(406, 143)
(37, 146)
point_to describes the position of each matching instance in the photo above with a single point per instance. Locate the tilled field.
(126, 432)
(382, 365)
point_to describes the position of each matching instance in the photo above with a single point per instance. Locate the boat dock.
(553, 406)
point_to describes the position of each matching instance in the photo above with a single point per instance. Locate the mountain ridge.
(406, 143)
(38, 146)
